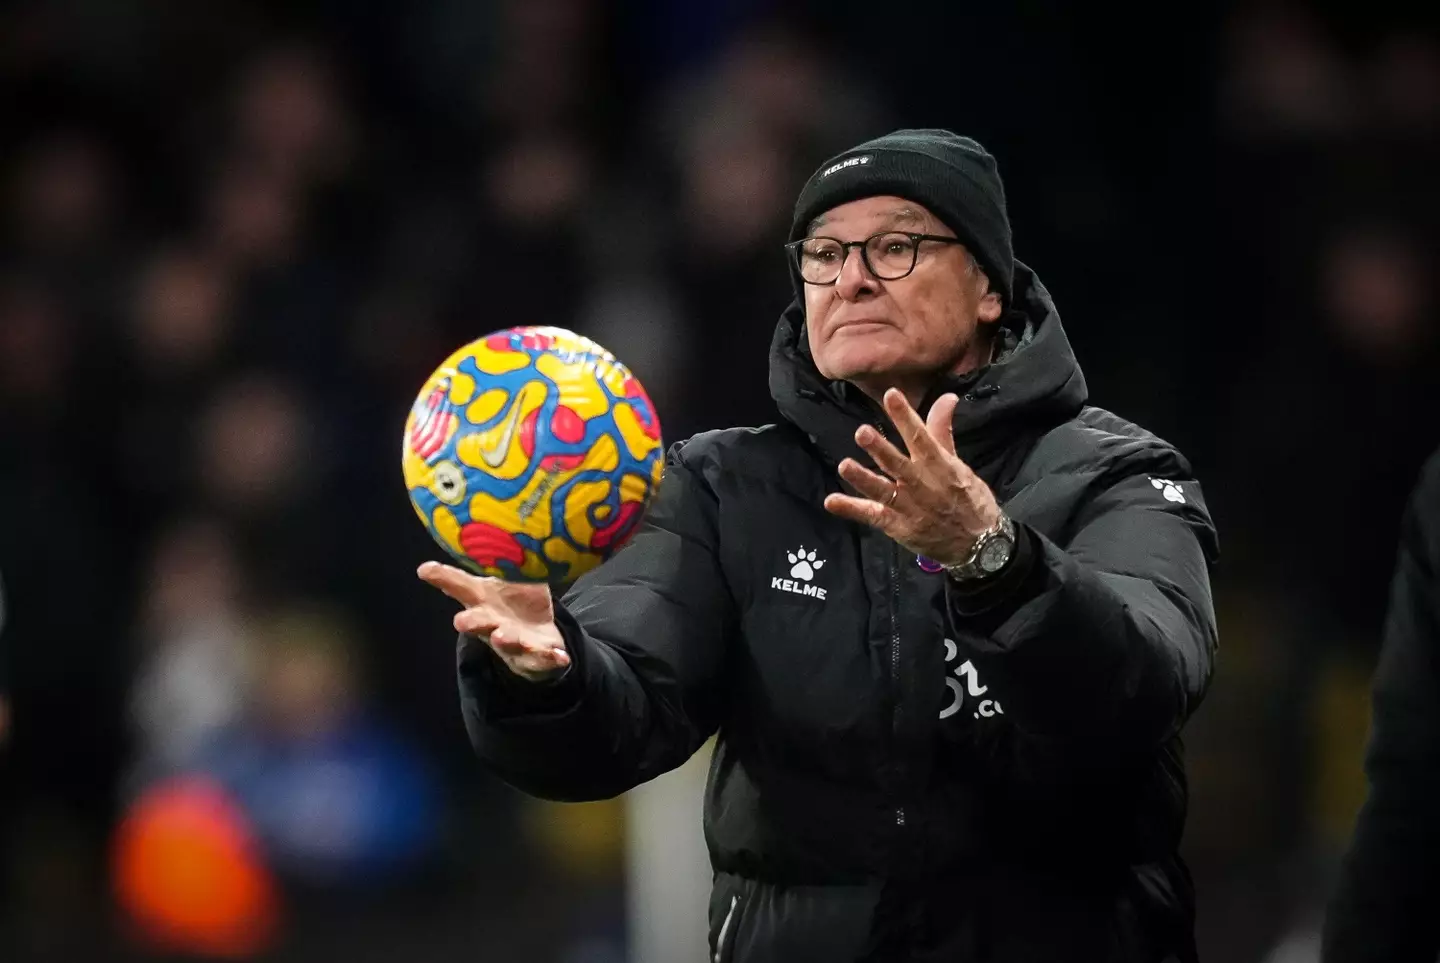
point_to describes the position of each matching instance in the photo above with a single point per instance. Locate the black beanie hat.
(953, 176)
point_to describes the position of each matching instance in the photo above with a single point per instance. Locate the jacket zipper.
(725, 928)
(895, 656)
(894, 639)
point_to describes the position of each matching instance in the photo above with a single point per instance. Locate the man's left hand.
(930, 502)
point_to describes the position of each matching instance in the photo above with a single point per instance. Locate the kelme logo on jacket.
(803, 568)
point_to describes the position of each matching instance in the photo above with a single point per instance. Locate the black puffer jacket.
(903, 771)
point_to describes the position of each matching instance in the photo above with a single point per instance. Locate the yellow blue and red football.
(532, 454)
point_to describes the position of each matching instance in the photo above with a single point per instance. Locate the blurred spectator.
(542, 65)
(290, 120)
(336, 796)
(180, 317)
(264, 463)
(733, 172)
(252, 218)
(62, 199)
(1284, 78)
(195, 668)
(255, 447)
(734, 177)
(36, 352)
(1406, 83)
(773, 70)
(523, 260)
(535, 183)
(1377, 300)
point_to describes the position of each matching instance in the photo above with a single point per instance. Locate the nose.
(855, 278)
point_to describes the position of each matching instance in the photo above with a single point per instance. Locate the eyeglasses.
(889, 255)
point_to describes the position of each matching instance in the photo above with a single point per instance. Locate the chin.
(848, 365)
(867, 351)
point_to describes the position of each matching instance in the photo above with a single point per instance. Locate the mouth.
(859, 325)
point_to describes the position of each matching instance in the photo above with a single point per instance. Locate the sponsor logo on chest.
(965, 680)
(804, 567)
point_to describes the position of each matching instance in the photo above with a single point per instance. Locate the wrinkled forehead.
(870, 214)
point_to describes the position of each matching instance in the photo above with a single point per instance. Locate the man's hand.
(515, 619)
(931, 502)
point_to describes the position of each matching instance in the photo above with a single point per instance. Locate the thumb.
(940, 423)
(460, 586)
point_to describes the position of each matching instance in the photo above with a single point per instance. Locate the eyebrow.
(905, 215)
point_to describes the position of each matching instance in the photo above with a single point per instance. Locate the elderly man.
(946, 620)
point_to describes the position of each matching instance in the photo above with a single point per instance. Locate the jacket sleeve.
(1109, 638)
(647, 633)
(1384, 906)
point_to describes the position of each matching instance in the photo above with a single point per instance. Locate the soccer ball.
(532, 454)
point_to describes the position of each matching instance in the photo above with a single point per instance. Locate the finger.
(534, 669)
(460, 586)
(511, 640)
(862, 510)
(874, 487)
(940, 424)
(523, 655)
(889, 459)
(908, 423)
(547, 661)
(478, 620)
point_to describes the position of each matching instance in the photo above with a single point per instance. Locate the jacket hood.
(1034, 383)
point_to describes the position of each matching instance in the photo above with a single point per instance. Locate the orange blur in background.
(188, 875)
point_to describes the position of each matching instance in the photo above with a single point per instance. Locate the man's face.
(901, 333)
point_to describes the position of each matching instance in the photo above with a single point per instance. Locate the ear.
(990, 309)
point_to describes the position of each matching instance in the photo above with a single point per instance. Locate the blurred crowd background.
(235, 237)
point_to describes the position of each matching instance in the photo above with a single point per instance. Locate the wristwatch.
(991, 552)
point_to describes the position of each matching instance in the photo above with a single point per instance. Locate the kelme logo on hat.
(848, 162)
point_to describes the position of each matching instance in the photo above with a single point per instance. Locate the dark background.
(236, 237)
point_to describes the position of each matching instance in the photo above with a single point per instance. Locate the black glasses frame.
(795, 253)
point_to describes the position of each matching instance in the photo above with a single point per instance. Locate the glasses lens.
(820, 259)
(891, 255)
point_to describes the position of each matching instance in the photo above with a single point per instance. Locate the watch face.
(994, 556)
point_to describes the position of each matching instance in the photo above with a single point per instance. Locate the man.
(1384, 908)
(947, 620)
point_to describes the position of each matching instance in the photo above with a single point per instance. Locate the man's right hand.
(516, 619)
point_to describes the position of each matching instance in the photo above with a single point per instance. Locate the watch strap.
(969, 570)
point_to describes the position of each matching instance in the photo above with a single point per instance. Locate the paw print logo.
(1173, 491)
(803, 565)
